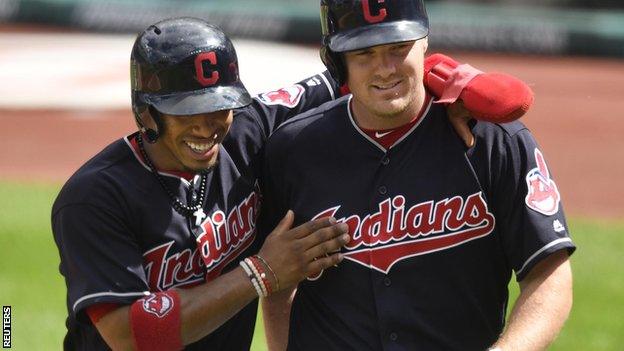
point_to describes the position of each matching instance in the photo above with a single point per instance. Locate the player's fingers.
(323, 235)
(285, 223)
(324, 262)
(307, 228)
(326, 247)
(459, 117)
(330, 245)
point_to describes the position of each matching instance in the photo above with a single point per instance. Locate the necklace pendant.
(199, 216)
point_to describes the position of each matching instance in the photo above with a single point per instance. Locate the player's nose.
(385, 64)
(208, 123)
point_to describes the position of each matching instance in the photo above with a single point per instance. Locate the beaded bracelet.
(266, 264)
(251, 277)
(263, 277)
(257, 276)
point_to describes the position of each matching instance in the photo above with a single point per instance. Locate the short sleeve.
(254, 124)
(528, 205)
(275, 107)
(100, 259)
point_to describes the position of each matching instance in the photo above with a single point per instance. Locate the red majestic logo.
(289, 96)
(395, 233)
(158, 305)
(221, 240)
(543, 195)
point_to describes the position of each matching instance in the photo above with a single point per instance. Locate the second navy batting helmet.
(349, 25)
(184, 66)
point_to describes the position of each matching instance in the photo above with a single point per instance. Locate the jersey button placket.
(382, 190)
(387, 281)
(393, 336)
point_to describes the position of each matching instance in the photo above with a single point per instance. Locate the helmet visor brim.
(206, 100)
(378, 34)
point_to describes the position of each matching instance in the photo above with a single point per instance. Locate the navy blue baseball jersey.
(119, 237)
(436, 229)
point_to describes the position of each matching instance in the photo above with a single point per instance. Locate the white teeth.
(199, 147)
(387, 86)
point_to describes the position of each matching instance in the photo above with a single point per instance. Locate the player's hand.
(459, 117)
(294, 254)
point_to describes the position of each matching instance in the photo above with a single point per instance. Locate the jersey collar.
(424, 111)
(134, 147)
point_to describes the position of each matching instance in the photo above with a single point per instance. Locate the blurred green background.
(31, 284)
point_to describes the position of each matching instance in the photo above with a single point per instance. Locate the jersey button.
(385, 161)
(394, 336)
(383, 190)
(387, 281)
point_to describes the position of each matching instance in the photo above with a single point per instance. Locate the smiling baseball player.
(437, 228)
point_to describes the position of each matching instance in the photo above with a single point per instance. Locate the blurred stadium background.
(64, 95)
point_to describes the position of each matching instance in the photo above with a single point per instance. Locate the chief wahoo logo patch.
(158, 305)
(289, 96)
(543, 195)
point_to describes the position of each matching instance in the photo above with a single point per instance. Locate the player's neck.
(157, 154)
(372, 120)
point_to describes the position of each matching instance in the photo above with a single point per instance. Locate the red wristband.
(155, 322)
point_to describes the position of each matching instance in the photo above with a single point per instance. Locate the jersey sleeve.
(253, 124)
(275, 107)
(527, 204)
(100, 260)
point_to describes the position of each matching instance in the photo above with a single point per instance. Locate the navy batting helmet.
(349, 25)
(184, 66)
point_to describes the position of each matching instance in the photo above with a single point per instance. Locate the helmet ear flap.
(150, 134)
(335, 64)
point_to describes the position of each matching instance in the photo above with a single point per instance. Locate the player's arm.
(542, 307)
(196, 312)
(276, 317)
(533, 235)
(274, 107)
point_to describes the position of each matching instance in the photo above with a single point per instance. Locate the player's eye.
(401, 47)
(362, 52)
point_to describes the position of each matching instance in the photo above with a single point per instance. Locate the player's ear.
(148, 121)
(425, 43)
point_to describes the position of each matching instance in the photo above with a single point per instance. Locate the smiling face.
(387, 83)
(190, 143)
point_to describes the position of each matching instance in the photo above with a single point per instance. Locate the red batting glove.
(492, 97)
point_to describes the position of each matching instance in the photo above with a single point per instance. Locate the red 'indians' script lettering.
(395, 232)
(222, 240)
(165, 271)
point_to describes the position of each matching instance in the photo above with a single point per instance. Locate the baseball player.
(157, 232)
(436, 228)
(152, 230)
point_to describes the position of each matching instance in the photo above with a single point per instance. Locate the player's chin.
(199, 166)
(196, 169)
(390, 108)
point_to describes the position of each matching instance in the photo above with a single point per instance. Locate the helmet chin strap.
(151, 135)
